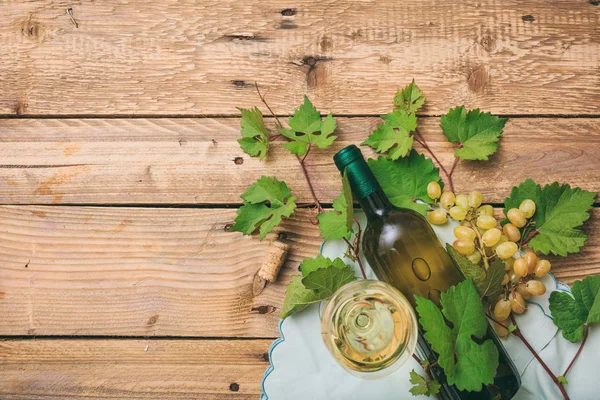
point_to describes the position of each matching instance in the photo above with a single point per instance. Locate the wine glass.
(370, 328)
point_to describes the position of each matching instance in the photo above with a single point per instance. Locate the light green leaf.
(394, 134)
(337, 224)
(409, 99)
(297, 297)
(573, 314)
(559, 210)
(304, 124)
(476, 132)
(321, 277)
(255, 138)
(309, 265)
(265, 203)
(406, 179)
(325, 281)
(467, 364)
(422, 386)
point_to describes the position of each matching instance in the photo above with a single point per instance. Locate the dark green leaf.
(467, 364)
(573, 314)
(406, 179)
(559, 210)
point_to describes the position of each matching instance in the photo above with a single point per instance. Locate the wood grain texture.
(132, 272)
(158, 272)
(198, 161)
(189, 57)
(132, 369)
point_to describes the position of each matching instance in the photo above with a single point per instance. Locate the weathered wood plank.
(132, 369)
(157, 272)
(129, 271)
(189, 57)
(198, 161)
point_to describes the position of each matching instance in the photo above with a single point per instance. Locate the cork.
(275, 256)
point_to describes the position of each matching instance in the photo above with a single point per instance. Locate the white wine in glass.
(370, 328)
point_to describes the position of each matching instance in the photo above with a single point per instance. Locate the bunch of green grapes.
(482, 240)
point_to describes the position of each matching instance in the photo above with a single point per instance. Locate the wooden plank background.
(120, 171)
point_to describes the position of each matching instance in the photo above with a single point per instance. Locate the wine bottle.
(404, 251)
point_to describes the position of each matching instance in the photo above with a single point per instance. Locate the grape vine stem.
(355, 248)
(421, 140)
(585, 336)
(517, 333)
(300, 160)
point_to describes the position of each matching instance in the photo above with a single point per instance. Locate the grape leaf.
(337, 224)
(409, 99)
(476, 132)
(406, 179)
(255, 138)
(309, 265)
(394, 134)
(468, 269)
(559, 210)
(422, 386)
(491, 287)
(573, 313)
(265, 203)
(488, 283)
(304, 124)
(467, 364)
(325, 281)
(320, 278)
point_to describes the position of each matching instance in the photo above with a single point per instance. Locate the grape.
(507, 250)
(475, 257)
(434, 190)
(536, 288)
(502, 239)
(517, 303)
(520, 267)
(462, 201)
(491, 237)
(486, 222)
(437, 217)
(501, 330)
(532, 260)
(464, 233)
(502, 310)
(458, 213)
(485, 210)
(505, 280)
(464, 247)
(512, 232)
(522, 290)
(527, 207)
(475, 199)
(516, 217)
(509, 263)
(542, 268)
(447, 200)
(514, 278)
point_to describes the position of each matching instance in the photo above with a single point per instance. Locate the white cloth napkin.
(302, 368)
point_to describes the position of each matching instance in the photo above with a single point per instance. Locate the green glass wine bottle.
(404, 251)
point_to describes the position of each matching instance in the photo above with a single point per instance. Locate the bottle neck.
(375, 204)
(366, 189)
